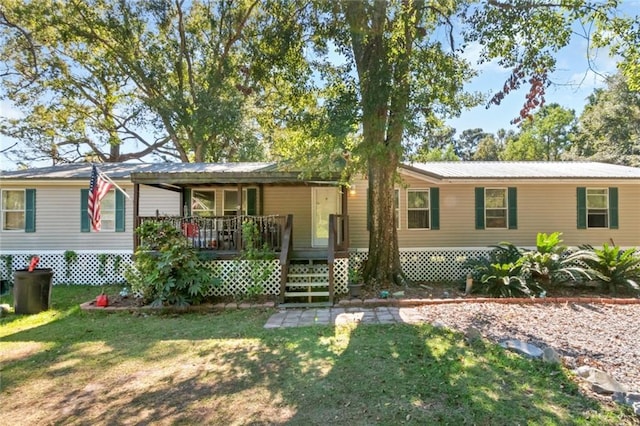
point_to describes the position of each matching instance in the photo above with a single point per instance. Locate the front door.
(325, 201)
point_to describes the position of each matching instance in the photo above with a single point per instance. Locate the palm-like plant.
(613, 267)
(552, 263)
(504, 280)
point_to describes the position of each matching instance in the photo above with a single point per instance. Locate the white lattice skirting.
(107, 268)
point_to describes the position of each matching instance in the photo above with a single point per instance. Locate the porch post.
(136, 214)
(239, 218)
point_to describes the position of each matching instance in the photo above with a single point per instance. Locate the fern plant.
(614, 267)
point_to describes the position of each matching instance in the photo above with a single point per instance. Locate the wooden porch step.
(311, 284)
(305, 305)
(306, 293)
(309, 275)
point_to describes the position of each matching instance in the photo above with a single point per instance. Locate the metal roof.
(270, 172)
(523, 170)
(156, 173)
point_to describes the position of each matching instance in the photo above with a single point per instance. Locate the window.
(418, 209)
(396, 203)
(495, 207)
(112, 211)
(13, 210)
(108, 211)
(597, 208)
(230, 203)
(249, 202)
(203, 203)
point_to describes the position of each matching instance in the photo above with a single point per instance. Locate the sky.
(574, 79)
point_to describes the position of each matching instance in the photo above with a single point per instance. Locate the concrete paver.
(340, 316)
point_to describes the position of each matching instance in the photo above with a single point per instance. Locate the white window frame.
(4, 211)
(505, 208)
(108, 212)
(606, 208)
(194, 211)
(427, 208)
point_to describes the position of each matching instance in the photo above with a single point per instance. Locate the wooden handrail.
(285, 253)
(331, 255)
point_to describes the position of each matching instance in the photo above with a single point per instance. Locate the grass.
(66, 366)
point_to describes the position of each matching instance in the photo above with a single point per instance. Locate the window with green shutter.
(597, 208)
(18, 207)
(435, 208)
(496, 208)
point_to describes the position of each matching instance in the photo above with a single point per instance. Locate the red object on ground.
(34, 263)
(102, 300)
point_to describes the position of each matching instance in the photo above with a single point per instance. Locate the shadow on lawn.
(226, 369)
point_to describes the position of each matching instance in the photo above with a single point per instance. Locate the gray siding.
(58, 219)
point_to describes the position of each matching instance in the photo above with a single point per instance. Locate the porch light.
(352, 190)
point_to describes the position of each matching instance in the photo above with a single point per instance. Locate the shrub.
(552, 263)
(166, 270)
(613, 267)
(501, 254)
(504, 280)
(259, 258)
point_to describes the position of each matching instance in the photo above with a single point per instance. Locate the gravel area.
(603, 336)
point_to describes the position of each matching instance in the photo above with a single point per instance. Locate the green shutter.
(512, 199)
(613, 208)
(84, 210)
(30, 210)
(186, 201)
(252, 201)
(480, 208)
(582, 207)
(120, 211)
(434, 200)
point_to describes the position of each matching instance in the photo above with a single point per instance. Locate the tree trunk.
(383, 263)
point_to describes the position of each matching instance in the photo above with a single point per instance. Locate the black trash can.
(32, 290)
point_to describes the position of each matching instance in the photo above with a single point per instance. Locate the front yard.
(65, 366)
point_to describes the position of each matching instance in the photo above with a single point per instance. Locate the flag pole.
(108, 179)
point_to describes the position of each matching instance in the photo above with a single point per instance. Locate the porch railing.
(224, 233)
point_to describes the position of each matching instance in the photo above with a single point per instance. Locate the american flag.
(98, 188)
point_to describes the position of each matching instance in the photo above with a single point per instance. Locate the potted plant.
(355, 282)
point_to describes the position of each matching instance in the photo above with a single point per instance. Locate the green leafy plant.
(355, 276)
(102, 259)
(167, 271)
(552, 263)
(504, 280)
(503, 253)
(614, 267)
(259, 259)
(70, 257)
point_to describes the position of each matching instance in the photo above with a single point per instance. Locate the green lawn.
(65, 366)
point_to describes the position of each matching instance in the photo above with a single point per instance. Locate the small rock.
(603, 383)
(628, 398)
(4, 309)
(522, 348)
(583, 371)
(551, 356)
(472, 333)
(636, 408)
(438, 324)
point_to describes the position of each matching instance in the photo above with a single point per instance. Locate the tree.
(408, 76)
(437, 154)
(468, 141)
(609, 127)
(545, 137)
(488, 149)
(171, 76)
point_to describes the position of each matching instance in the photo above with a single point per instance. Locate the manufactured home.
(446, 212)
